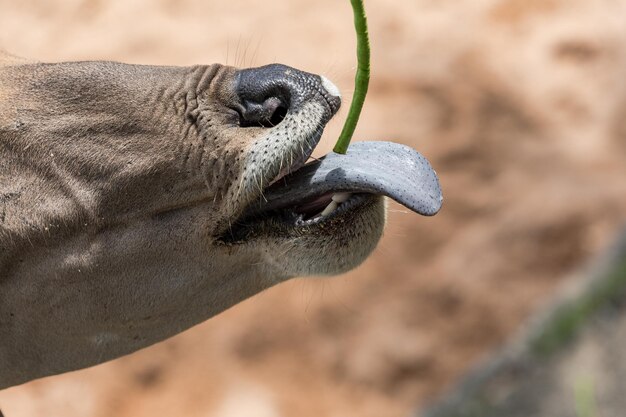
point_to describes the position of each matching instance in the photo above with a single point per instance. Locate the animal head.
(142, 141)
(137, 201)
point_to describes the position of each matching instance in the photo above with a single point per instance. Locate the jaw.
(327, 216)
(296, 246)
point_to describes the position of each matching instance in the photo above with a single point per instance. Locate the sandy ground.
(519, 104)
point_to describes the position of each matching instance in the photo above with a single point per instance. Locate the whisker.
(227, 50)
(256, 50)
(237, 51)
(245, 53)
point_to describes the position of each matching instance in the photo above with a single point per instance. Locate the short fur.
(116, 182)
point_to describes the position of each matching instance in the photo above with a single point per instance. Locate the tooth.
(329, 208)
(341, 197)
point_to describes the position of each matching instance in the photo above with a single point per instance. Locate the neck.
(106, 214)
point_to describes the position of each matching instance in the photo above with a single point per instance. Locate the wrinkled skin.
(117, 184)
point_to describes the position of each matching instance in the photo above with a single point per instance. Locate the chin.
(294, 243)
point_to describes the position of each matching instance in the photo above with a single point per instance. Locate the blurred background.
(520, 105)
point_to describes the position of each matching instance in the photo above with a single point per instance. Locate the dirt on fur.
(520, 105)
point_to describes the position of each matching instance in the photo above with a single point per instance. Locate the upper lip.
(332, 104)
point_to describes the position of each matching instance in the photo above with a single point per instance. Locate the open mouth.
(336, 186)
(320, 207)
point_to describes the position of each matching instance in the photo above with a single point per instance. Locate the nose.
(267, 94)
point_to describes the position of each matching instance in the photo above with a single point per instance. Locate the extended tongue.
(387, 168)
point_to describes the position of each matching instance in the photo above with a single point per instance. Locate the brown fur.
(115, 182)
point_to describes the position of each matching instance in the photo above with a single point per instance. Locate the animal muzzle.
(267, 94)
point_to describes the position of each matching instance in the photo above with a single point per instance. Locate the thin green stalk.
(361, 80)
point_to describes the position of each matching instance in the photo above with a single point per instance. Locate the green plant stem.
(361, 80)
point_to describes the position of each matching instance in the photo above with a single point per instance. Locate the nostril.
(268, 113)
(279, 115)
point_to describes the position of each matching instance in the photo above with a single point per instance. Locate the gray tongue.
(387, 168)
